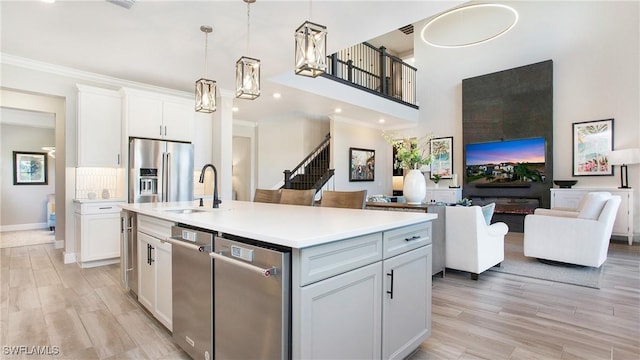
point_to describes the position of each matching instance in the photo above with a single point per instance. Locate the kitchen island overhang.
(359, 280)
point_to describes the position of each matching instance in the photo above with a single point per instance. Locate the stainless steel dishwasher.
(192, 290)
(252, 300)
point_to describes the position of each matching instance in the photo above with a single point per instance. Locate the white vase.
(415, 187)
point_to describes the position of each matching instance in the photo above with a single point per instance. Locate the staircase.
(312, 172)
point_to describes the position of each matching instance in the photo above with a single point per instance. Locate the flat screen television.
(508, 162)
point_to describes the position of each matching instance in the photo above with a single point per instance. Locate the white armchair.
(471, 244)
(576, 237)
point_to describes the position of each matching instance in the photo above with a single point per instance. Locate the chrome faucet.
(216, 201)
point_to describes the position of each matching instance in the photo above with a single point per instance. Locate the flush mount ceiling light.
(206, 90)
(469, 25)
(311, 48)
(248, 69)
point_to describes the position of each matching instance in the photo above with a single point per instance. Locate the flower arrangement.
(411, 153)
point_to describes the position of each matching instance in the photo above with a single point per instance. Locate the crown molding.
(13, 60)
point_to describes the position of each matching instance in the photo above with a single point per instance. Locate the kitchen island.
(360, 280)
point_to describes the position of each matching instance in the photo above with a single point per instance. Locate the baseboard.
(95, 263)
(69, 258)
(22, 227)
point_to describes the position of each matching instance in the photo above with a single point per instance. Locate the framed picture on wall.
(592, 141)
(29, 168)
(442, 157)
(362, 164)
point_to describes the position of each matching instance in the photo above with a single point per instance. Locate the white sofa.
(471, 244)
(575, 236)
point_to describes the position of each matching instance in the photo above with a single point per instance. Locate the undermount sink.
(184, 211)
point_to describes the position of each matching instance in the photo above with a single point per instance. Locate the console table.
(623, 226)
(437, 230)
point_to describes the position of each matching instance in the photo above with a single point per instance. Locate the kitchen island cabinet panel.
(340, 316)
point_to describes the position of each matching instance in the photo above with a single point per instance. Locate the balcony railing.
(369, 68)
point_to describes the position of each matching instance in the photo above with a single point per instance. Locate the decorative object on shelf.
(29, 168)
(441, 150)
(565, 184)
(454, 182)
(248, 69)
(410, 153)
(91, 195)
(362, 163)
(623, 158)
(206, 90)
(592, 142)
(105, 194)
(464, 202)
(414, 189)
(311, 48)
(436, 179)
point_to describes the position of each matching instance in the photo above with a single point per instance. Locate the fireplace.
(509, 209)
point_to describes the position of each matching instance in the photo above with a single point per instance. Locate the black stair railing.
(312, 172)
(373, 69)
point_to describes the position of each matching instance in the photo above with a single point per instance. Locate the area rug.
(516, 263)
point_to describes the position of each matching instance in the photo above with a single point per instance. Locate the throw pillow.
(487, 212)
(593, 204)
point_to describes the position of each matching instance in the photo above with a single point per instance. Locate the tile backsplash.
(96, 180)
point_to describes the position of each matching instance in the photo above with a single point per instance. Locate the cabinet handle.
(165, 130)
(390, 292)
(148, 254)
(106, 208)
(118, 159)
(151, 260)
(414, 237)
(160, 130)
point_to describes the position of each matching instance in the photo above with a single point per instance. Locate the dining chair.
(344, 199)
(267, 196)
(297, 197)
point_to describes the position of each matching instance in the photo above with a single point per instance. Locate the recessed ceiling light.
(381, 121)
(338, 110)
(48, 1)
(234, 109)
(276, 95)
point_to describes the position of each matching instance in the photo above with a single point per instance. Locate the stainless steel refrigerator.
(160, 171)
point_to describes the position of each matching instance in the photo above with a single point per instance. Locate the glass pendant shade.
(206, 92)
(247, 78)
(311, 49)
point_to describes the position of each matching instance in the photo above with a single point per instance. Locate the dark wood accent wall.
(511, 104)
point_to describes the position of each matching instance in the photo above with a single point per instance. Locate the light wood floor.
(86, 315)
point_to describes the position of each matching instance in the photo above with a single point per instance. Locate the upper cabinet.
(158, 116)
(99, 127)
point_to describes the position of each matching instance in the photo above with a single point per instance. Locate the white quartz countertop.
(287, 225)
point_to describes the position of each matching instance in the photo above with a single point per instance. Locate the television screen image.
(505, 162)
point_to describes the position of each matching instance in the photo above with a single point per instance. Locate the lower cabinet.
(154, 277)
(378, 311)
(97, 233)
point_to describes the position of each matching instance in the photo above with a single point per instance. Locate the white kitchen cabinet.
(368, 297)
(623, 226)
(154, 269)
(445, 195)
(354, 298)
(407, 286)
(99, 135)
(97, 233)
(158, 116)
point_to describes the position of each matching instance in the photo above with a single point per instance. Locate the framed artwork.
(592, 141)
(442, 157)
(29, 168)
(362, 164)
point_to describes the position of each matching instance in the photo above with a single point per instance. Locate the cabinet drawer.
(406, 238)
(323, 261)
(97, 208)
(155, 227)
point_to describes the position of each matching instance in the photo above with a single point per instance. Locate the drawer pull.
(414, 237)
(106, 208)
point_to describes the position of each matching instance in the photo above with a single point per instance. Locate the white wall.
(596, 58)
(24, 206)
(345, 134)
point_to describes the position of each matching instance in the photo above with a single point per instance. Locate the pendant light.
(248, 69)
(206, 90)
(311, 48)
